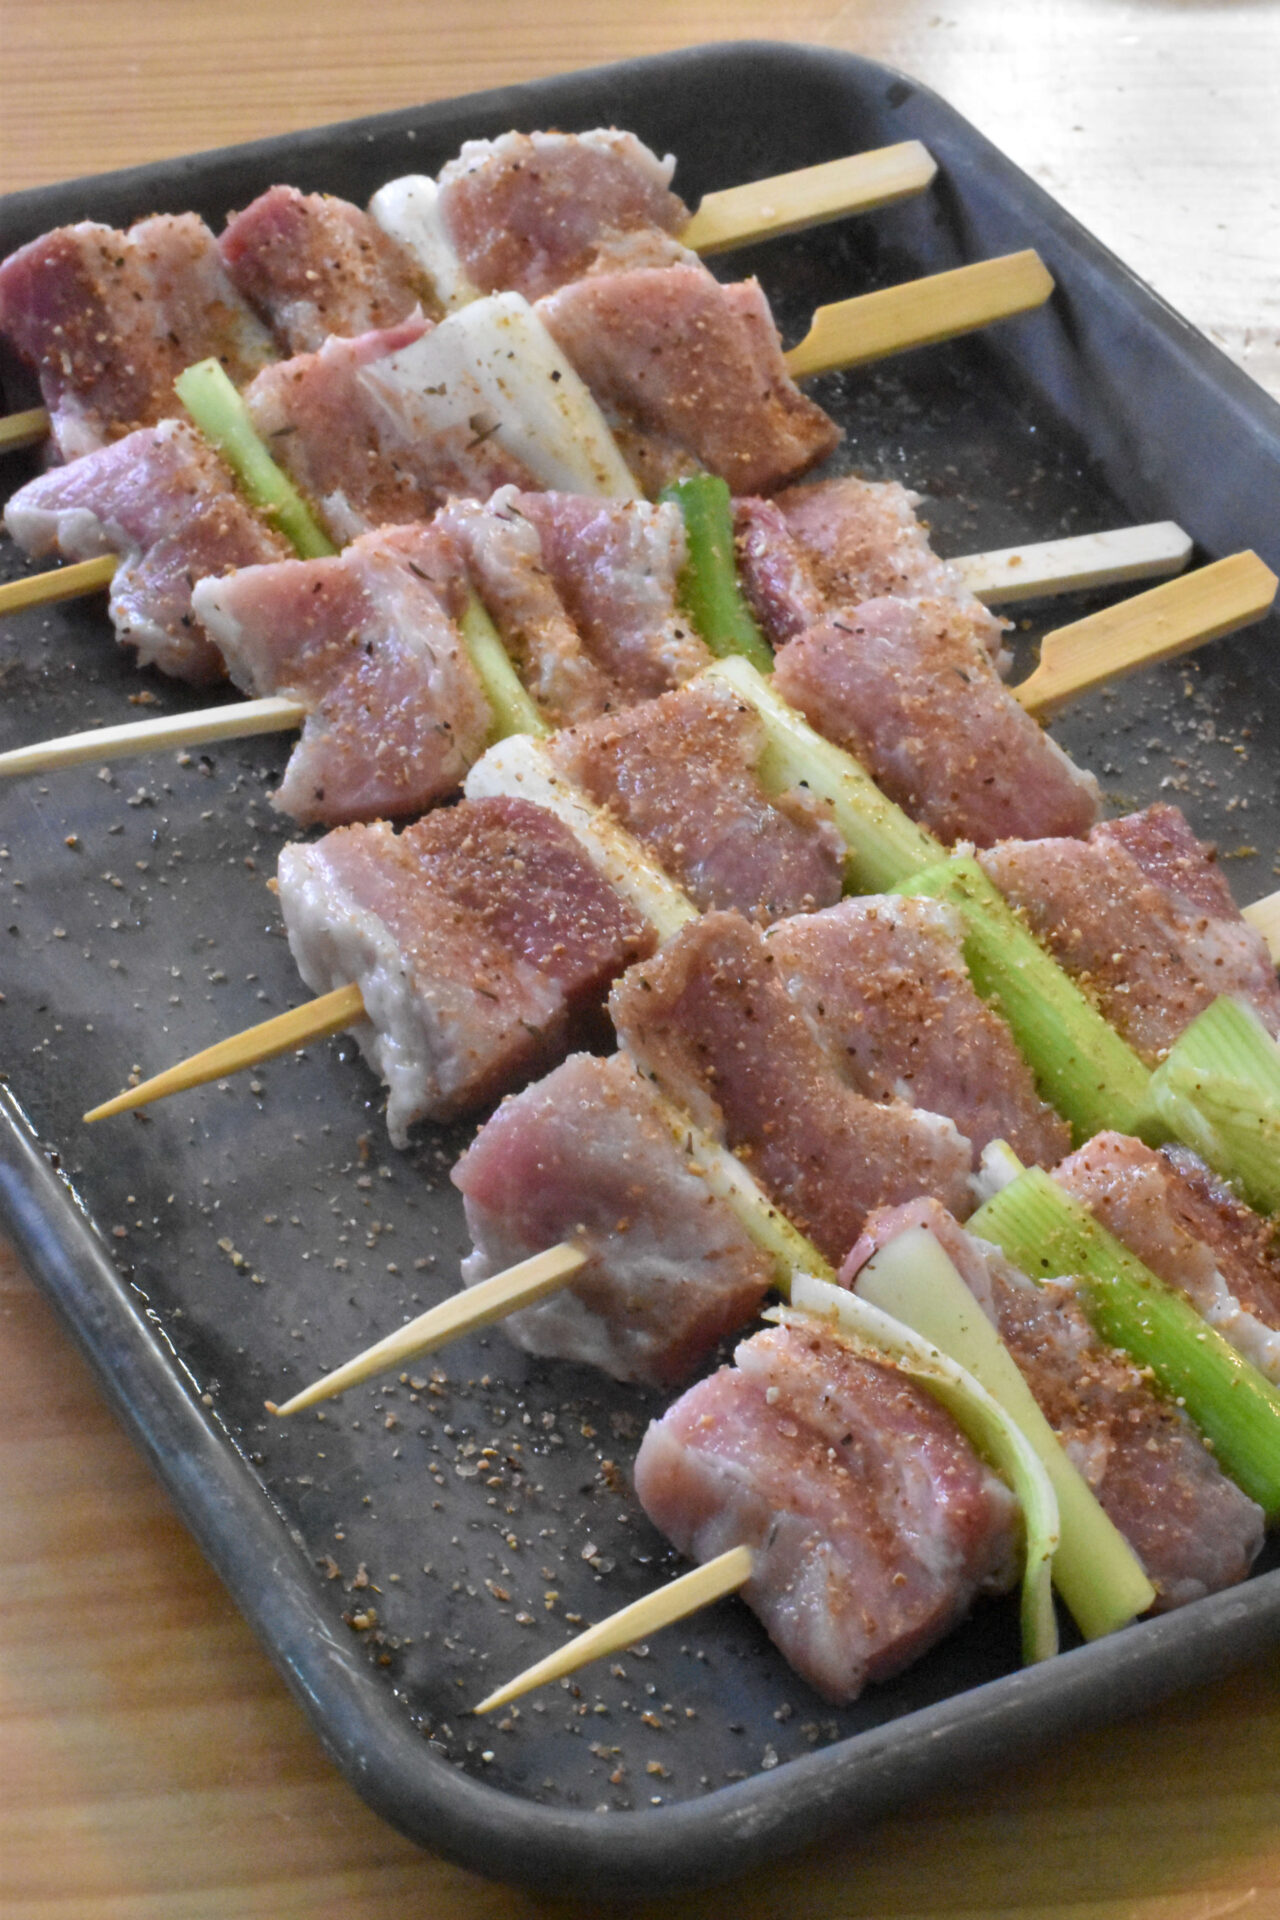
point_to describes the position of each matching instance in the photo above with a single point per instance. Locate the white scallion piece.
(409, 210)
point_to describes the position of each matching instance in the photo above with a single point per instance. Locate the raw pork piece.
(908, 687)
(163, 501)
(692, 374)
(314, 265)
(711, 1019)
(1140, 915)
(530, 211)
(331, 419)
(586, 1156)
(1191, 1527)
(680, 773)
(1191, 1230)
(584, 591)
(367, 642)
(816, 550)
(481, 939)
(110, 319)
(885, 987)
(873, 1522)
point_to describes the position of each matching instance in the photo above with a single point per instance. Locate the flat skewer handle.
(692, 1591)
(26, 429)
(60, 583)
(234, 721)
(1147, 628)
(919, 312)
(1073, 566)
(329, 1014)
(810, 197)
(479, 1306)
(1264, 917)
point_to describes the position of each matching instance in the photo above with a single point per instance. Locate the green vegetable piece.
(513, 710)
(884, 845)
(708, 586)
(1219, 1090)
(1081, 1065)
(223, 419)
(980, 1417)
(1095, 1569)
(1046, 1232)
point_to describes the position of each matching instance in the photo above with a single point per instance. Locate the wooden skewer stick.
(810, 197)
(317, 1018)
(1147, 628)
(479, 1306)
(692, 1591)
(60, 583)
(1264, 917)
(1048, 567)
(25, 429)
(233, 721)
(920, 312)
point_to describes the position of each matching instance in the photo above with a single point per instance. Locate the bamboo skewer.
(1264, 917)
(60, 583)
(519, 1286)
(1047, 568)
(734, 217)
(713, 1581)
(919, 313)
(313, 1021)
(1148, 628)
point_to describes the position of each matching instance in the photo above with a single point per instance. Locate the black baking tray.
(429, 1536)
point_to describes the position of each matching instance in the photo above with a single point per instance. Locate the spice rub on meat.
(367, 642)
(481, 938)
(885, 988)
(313, 265)
(109, 319)
(531, 211)
(908, 687)
(588, 1156)
(711, 1019)
(1140, 915)
(689, 373)
(1191, 1527)
(343, 423)
(163, 501)
(680, 774)
(814, 550)
(1191, 1230)
(873, 1523)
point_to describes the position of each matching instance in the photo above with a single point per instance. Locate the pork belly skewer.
(327, 268)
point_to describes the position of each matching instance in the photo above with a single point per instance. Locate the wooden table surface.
(153, 1767)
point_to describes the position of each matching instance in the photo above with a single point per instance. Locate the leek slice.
(709, 590)
(1047, 1232)
(492, 371)
(513, 710)
(519, 767)
(884, 845)
(1219, 1090)
(1095, 1569)
(1082, 1066)
(223, 419)
(995, 1435)
(409, 210)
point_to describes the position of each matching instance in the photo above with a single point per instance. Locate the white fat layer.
(77, 533)
(519, 768)
(493, 368)
(1259, 1343)
(334, 941)
(409, 210)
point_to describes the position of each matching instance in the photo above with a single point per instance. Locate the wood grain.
(154, 1767)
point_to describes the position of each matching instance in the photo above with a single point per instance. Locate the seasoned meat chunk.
(873, 1523)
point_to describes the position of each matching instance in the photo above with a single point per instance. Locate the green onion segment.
(981, 1417)
(1047, 1233)
(513, 709)
(223, 419)
(1218, 1089)
(1095, 1569)
(708, 585)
